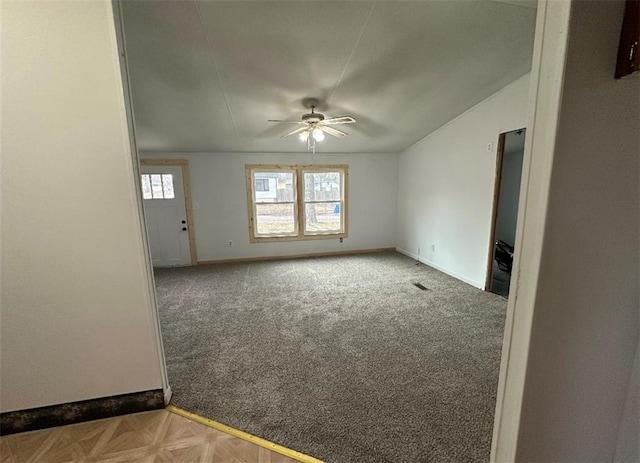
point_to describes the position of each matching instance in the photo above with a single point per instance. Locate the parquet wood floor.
(156, 436)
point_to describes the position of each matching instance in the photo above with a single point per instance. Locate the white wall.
(446, 183)
(75, 308)
(586, 319)
(220, 201)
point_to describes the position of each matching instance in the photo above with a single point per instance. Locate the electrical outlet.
(341, 239)
(489, 147)
(433, 248)
(418, 250)
(230, 243)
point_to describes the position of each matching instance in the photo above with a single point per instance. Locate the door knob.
(184, 221)
(184, 228)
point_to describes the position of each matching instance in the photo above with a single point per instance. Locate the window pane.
(146, 186)
(262, 184)
(322, 186)
(275, 219)
(167, 186)
(274, 187)
(156, 186)
(322, 217)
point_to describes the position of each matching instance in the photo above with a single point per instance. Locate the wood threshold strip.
(295, 256)
(243, 435)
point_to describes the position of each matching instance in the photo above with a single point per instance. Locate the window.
(296, 202)
(262, 184)
(157, 186)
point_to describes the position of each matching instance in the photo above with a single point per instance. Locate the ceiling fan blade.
(293, 132)
(338, 120)
(334, 132)
(285, 122)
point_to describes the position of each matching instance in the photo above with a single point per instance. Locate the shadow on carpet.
(342, 358)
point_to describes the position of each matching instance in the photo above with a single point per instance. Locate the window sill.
(272, 239)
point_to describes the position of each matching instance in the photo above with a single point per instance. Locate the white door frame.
(547, 78)
(545, 97)
(154, 316)
(186, 184)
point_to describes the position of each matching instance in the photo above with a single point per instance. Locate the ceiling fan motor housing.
(312, 118)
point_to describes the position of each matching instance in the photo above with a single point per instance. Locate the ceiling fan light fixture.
(313, 127)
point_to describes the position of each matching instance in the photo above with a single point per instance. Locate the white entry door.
(165, 213)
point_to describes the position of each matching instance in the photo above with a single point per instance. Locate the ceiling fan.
(315, 125)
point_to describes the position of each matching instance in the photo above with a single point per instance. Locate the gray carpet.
(342, 358)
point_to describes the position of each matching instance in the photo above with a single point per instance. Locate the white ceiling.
(207, 75)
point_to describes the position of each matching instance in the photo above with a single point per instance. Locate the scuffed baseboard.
(77, 412)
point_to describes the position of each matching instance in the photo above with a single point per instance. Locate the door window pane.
(167, 186)
(157, 186)
(146, 186)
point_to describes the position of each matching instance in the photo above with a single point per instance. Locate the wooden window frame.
(299, 201)
(252, 205)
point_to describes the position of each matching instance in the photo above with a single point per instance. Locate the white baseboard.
(442, 269)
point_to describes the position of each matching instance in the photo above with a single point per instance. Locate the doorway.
(167, 207)
(505, 211)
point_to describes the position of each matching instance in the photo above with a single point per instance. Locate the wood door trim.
(188, 204)
(494, 214)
